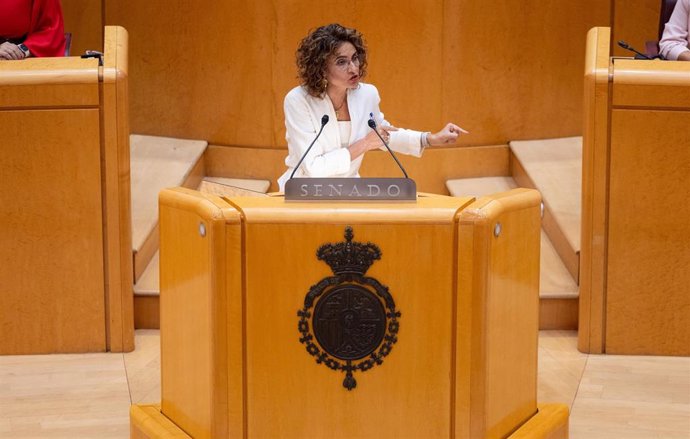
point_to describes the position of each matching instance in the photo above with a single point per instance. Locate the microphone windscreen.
(324, 120)
(372, 124)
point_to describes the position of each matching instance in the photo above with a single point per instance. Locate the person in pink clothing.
(675, 43)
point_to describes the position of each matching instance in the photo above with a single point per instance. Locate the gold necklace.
(337, 110)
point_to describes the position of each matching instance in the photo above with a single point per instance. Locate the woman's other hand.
(448, 134)
(371, 141)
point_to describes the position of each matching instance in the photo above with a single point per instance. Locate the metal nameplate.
(350, 189)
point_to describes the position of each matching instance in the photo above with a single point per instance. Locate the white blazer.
(327, 157)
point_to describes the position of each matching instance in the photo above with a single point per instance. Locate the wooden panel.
(84, 20)
(648, 84)
(51, 239)
(634, 22)
(569, 256)
(147, 312)
(558, 314)
(49, 82)
(430, 172)
(432, 61)
(512, 69)
(648, 282)
(498, 302)
(199, 322)
(413, 382)
(439, 165)
(594, 192)
(116, 183)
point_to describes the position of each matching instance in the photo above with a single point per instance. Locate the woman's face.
(342, 70)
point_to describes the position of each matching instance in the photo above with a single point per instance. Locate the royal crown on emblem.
(349, 257)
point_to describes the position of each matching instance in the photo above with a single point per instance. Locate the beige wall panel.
(440, 164)
(430, 172)
(84, 20)
(220, 72)
(200, 70)
(51, 238)
(648, 287)
(635, 23)
(513, 70)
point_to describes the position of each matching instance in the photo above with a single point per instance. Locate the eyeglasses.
(343, 63)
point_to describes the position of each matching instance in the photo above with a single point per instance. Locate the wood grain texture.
(594, 192)
(201, 315)
(634, 22)
(84, 20)
(648, 281)
(634, 295)
(561, 314)
(448, 61)
(51, 238)
(498, 313)
(116, 190)
(656, 83)
(418, 369)
(430, 172)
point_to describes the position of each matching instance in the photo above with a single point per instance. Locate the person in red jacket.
(31, 28)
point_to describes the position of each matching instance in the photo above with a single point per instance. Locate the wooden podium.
(65, 226)
(634, 277)
(349, 320)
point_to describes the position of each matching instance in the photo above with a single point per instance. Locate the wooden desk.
(634, 278)
(65, 233)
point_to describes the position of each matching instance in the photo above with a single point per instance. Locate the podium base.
(147, 422)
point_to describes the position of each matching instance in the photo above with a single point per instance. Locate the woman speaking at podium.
(331, 62)
(31, 28)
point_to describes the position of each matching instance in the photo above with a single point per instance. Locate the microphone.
(324, 121)
(372, 125)
(627, 46)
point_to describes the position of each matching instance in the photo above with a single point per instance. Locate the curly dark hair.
(315, 50)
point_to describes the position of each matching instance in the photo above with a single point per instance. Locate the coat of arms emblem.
(349, 321)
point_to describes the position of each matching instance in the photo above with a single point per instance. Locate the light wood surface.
(555, 167)
(430, 172)
(554, 279)
(446, 59)
(498, 303)
(88, 395)
(201, 315)
(634, 284)
(51, 234)
(115, 151)
(648, 281)
(594, 191)
(457, 363)
(560, 242)
(65, 238)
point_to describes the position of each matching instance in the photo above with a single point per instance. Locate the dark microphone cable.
(324, 121)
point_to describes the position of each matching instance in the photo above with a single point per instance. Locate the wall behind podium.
(218, 71)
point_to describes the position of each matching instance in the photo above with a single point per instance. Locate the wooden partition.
(240, 281)
(503, 72)
(634, 281)
(65, 232)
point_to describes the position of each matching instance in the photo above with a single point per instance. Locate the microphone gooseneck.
(324, 121)
(372, 125)
(627, 46)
